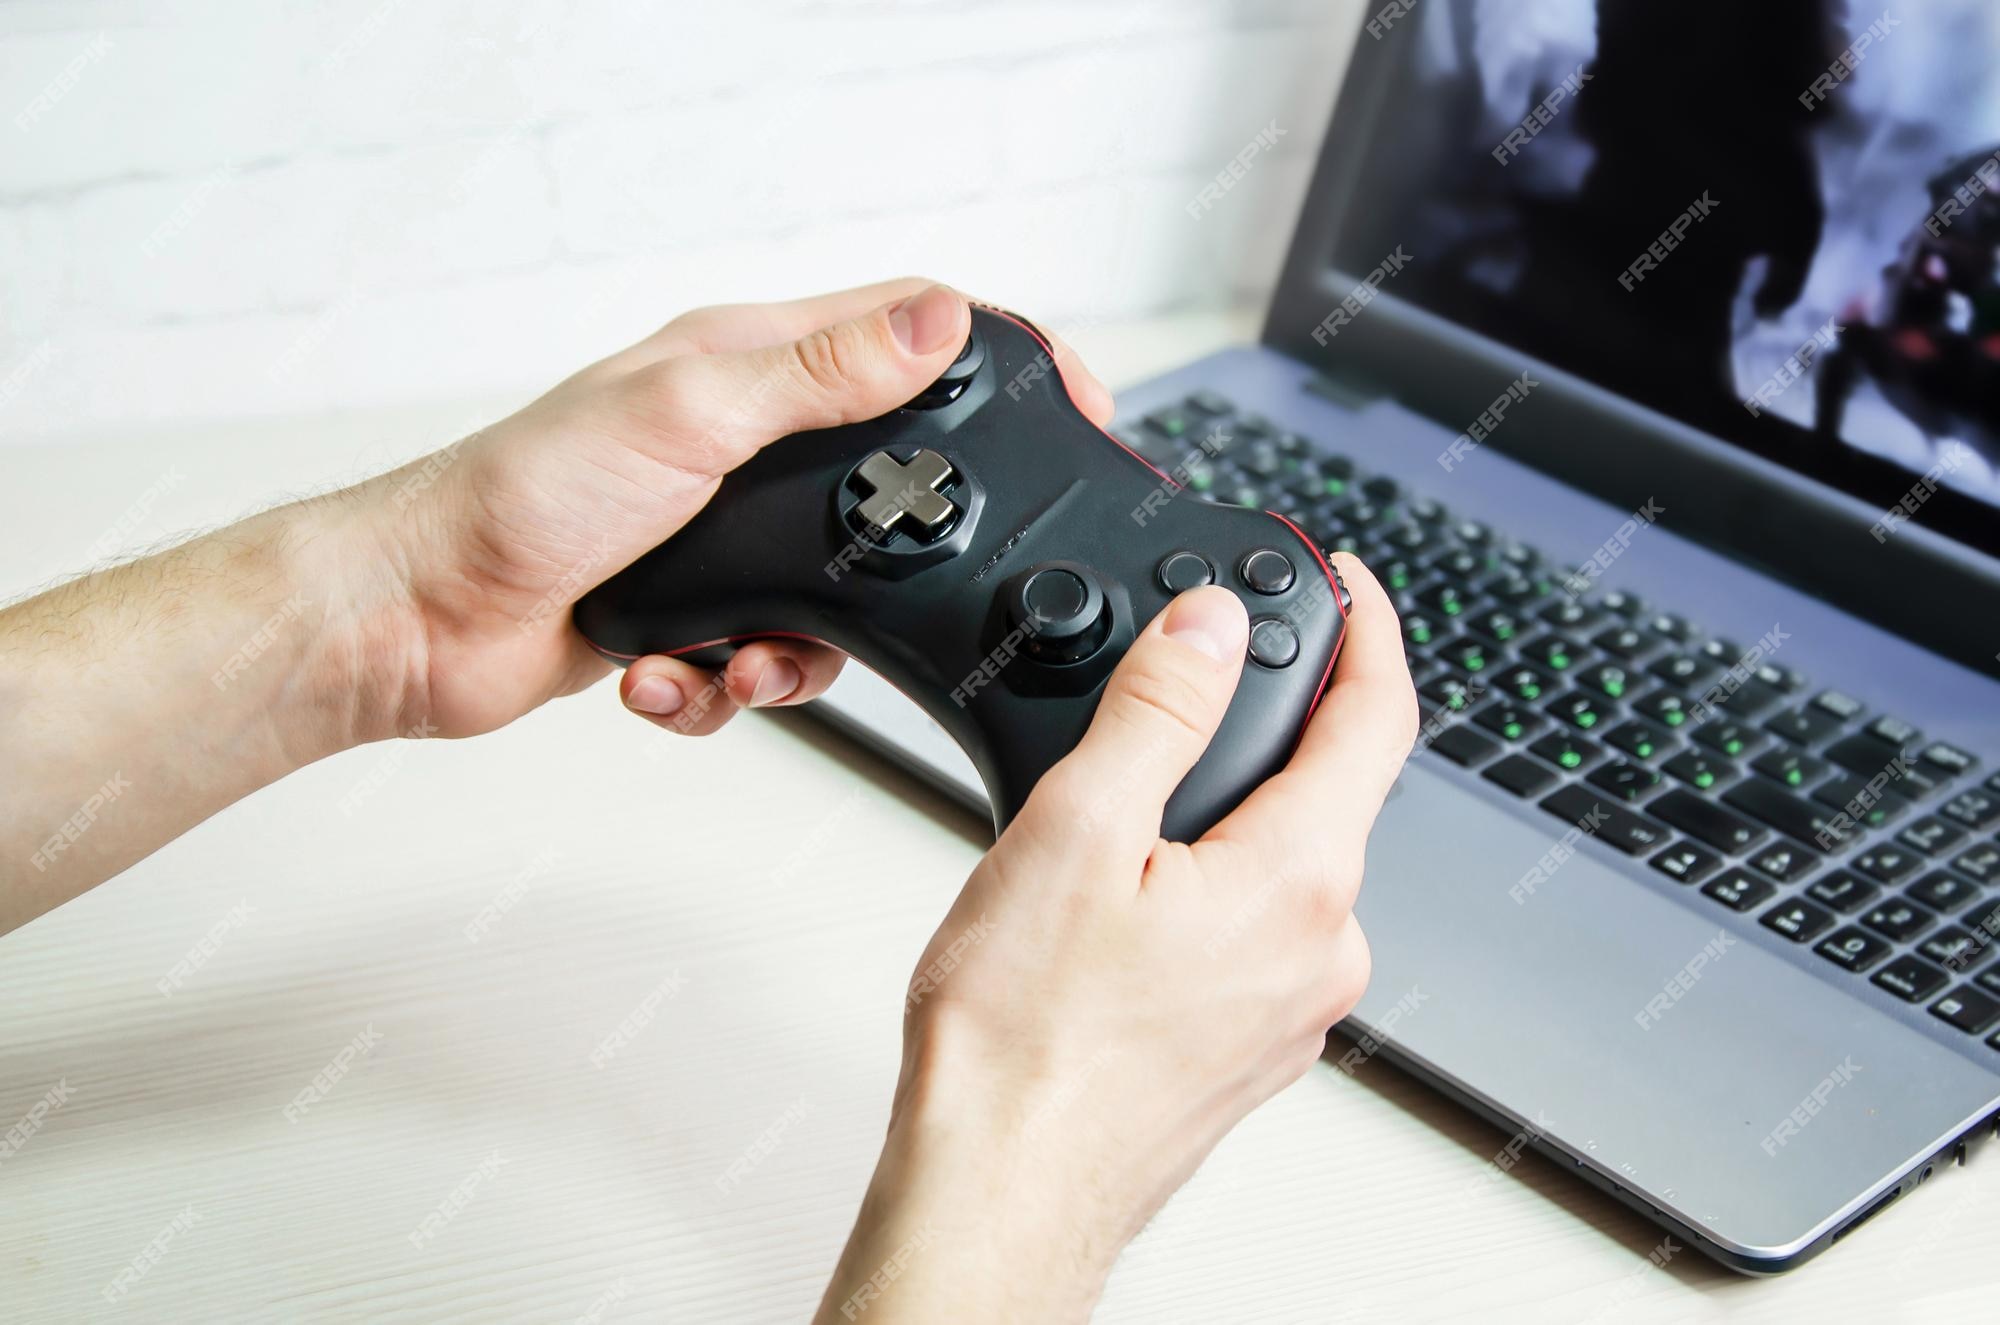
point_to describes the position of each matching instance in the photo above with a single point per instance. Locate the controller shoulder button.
(1273, 642)
(1267, 571)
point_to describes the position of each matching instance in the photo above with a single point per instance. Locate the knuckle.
(830, 358)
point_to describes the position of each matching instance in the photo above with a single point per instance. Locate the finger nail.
(927, 321)
(1209, 621)
(777, 680)
(656, 695)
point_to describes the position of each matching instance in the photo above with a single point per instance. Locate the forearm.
(137, 701)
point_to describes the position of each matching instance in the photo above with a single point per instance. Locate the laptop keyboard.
(1787, 805)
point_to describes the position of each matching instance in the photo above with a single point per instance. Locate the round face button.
(1182, 571)
(1267, 571)
(1273, 642)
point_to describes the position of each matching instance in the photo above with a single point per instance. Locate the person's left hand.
(493, 540)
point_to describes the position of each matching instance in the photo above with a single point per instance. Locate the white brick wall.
(245, 207)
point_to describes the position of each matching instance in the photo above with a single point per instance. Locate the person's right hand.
(1100, 1006)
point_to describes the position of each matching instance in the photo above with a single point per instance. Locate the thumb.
(1160, 708)
(724, 407)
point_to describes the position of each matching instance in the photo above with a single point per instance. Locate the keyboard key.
(1852, 949)
(1566, 751)
(1458, 563)
(1942, 892)
(1421, 630)
(1500, 625)
(1449, 693)
(1701, 771)
(1685, 669)
(1618, 828)
(1805, 726)
(1706, 821)
(1554, 652)
(1520, 775)
(1515, 724)
(1911, 978)
(1739, 891)
(1429, 510)
(1612, 680)
(1801, 922)
(1842, 891)
(1580, 709)
(1947, 760)
(1628, 605)
(1790, 814)
(1172, 422)
(1931, 835)
(1789, 767)
(1887, 863)
(1468, 655)
(1731, 737)
(1447, 599)
(1572, 616)
(1953, 948)
(1787, 862)
(1670, 710)
(1780, 678)
(1462, 745)
(1523, 683)
(1973, 808)
(1640, 740)
(1211, 402)
(1869, 805)
(1837, 705)
(1900, 921)
(1984, 922)
(1968, 1009)
(1748, 700)
(1518, 590)
(1980, 863)
(1624, 641)
(1382, 488)
(1892, 731)
(1686, 864)
(1668, 626)
(1625, 781)
(1989, 979)
(1868, 757)
(1722, 651)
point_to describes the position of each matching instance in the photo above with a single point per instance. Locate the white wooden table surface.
(473, 1162)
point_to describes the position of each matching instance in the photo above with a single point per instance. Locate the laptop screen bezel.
(1926, 585)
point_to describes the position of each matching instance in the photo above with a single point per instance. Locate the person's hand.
(492, 541)
(1100, 1006)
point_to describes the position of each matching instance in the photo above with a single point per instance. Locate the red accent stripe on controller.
(1333, 582)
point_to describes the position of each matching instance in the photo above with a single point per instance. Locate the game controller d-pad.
(993, 554)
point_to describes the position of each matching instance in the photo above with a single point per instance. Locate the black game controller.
(991, 553)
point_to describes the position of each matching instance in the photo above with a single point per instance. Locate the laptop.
(1657, 375)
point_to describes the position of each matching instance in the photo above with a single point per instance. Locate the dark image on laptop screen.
(1772, 220)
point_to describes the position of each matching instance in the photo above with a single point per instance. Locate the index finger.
(1352, 749)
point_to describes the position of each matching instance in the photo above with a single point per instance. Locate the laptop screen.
(1777, 221)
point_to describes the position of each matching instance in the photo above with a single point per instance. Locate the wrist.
(976, 1200)
(363, 675)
